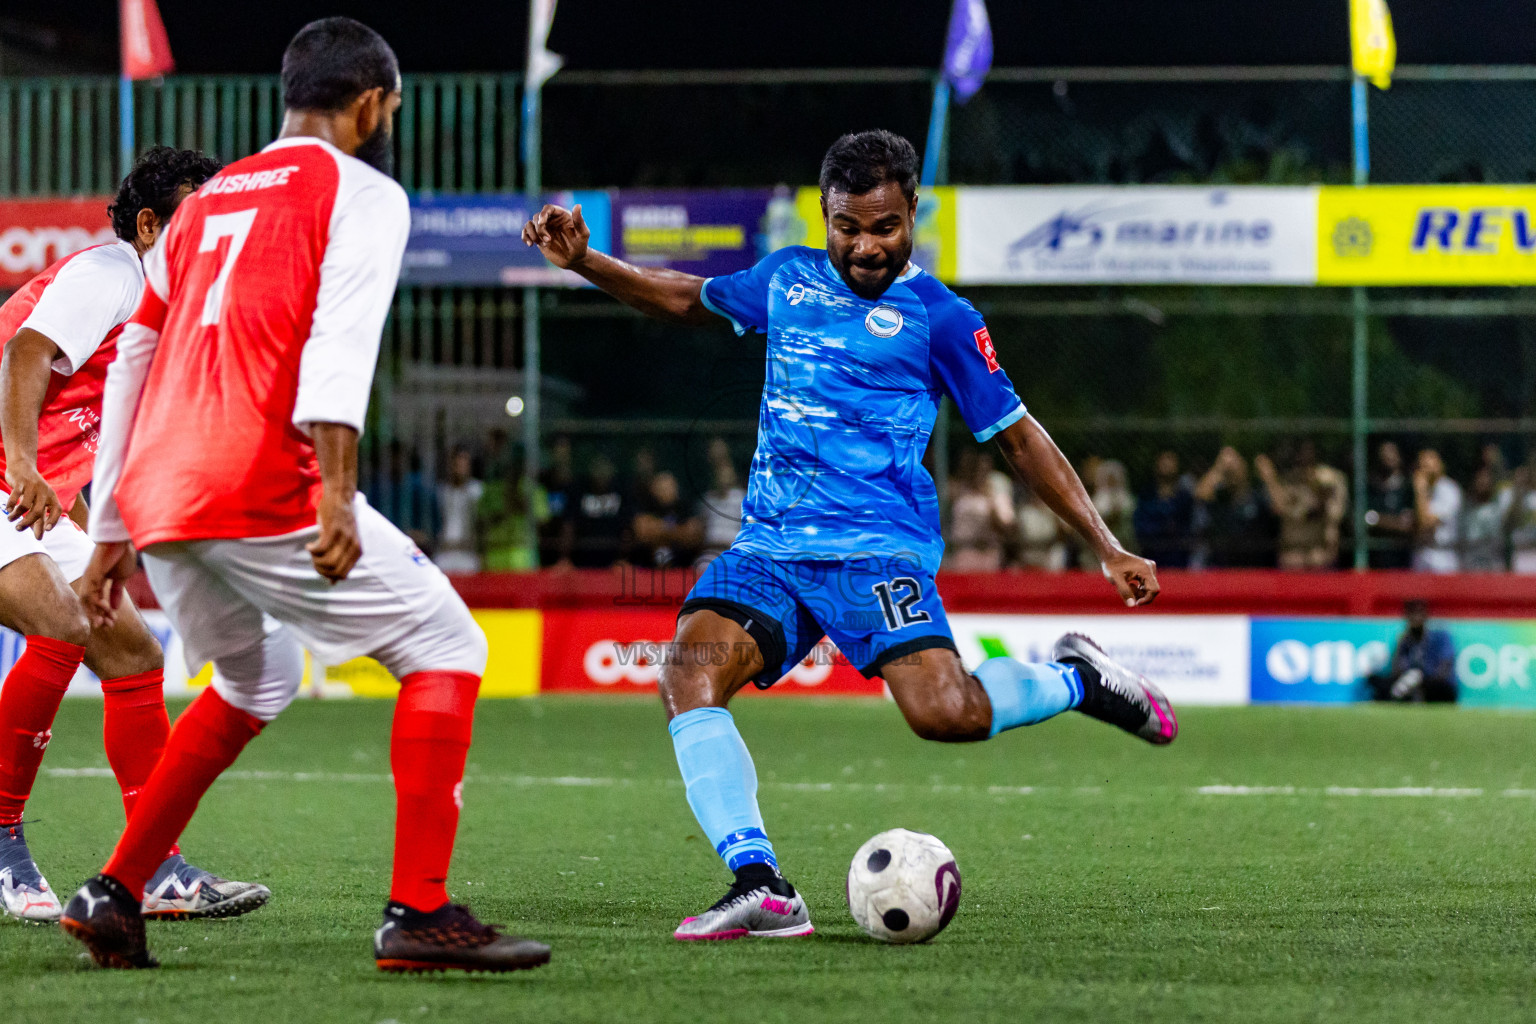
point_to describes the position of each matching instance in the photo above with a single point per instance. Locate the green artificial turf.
(1110, 889)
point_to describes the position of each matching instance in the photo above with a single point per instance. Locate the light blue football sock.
(1023, 694)
(722, 785)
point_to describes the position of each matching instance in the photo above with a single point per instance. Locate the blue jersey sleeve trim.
(704, 298)
(1018, 413)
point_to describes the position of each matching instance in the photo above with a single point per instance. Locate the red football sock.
(134, 727)
(206, 739)
(428, 746)
(29, 701)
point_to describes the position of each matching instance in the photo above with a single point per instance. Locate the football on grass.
(903, 886)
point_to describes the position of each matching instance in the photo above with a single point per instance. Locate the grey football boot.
(179, 891)
(24, 891)
(760, 903)
(1119, 696)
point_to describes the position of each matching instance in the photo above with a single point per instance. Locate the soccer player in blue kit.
(840, 529)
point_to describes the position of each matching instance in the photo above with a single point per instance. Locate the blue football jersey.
(850, 396)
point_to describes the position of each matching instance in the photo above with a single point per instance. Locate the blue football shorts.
(875, 609)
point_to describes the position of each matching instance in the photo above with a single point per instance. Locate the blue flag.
(968, 52)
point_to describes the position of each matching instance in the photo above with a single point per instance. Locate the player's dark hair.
(332, 62)
(863, 161)
(154, 183)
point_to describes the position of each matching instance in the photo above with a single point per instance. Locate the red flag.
(146, 50)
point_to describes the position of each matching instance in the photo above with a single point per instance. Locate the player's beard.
(865, 290)
(378, 150)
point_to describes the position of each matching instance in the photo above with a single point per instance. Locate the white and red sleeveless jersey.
(264, 303)
(80, 304)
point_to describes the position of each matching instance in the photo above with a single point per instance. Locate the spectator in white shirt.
(457, 499)
(1482, 533)
(1437, 506)
(1519, 504)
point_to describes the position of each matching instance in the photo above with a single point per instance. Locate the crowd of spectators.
(1289, 510)
(480, 514)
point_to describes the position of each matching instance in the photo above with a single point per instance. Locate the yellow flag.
(1371, 38)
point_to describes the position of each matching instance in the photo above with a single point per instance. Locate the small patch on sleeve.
(984, 346)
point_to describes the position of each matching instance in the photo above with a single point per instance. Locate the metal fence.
(455, 133)
(1119, 373)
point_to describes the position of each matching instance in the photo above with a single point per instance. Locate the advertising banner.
(1196, 659)
(621, 651)
(935, 246)
(1318, 661)
(1427, 234)
(1327, 660)
(476, 239)
(36, 232)
(1151, 235)
(511, 671)
(704, 232)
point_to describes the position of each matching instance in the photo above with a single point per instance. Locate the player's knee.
(477, 648)
(946, 714)
(687, 686)
(66, 624)
(264, 678)
(140, 653)
(449, 640)
(941, 729)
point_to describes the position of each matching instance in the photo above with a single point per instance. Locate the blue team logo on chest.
(884, 321)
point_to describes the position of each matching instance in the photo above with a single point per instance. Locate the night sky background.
(488, 35)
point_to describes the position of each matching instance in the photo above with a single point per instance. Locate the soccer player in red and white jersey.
(229, 458)
(63, 327)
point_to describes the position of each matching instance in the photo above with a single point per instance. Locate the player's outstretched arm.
(25, 372)
(1040, 464)
(669, 295)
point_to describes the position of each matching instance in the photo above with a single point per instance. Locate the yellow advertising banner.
(1427, 234)
(516, 641)
(935, 248)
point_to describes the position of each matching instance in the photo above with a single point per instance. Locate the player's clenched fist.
(1134, 577)
(337, 549)
(560, 234)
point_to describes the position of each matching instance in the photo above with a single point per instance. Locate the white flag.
(542, 64)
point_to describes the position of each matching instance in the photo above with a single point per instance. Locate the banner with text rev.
(1427, 234)
(1141, 235)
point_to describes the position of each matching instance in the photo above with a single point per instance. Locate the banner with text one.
(1326, 661)
(37, 232)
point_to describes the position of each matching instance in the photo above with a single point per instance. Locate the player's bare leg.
(36, 601)
(696, 683)
(128, 660)
(942, 701)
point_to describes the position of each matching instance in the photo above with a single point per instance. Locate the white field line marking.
(1356, 791)
(242, 775)
(582, 781)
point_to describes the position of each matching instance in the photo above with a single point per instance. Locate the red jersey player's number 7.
(236, 227)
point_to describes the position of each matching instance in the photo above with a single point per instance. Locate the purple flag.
(968, 52)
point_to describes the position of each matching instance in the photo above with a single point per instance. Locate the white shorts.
(395, 604)
(66, 544)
